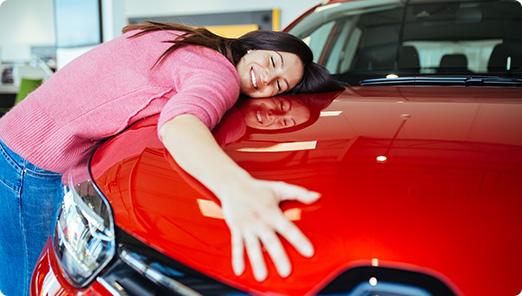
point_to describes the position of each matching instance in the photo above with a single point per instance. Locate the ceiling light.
(332, 113)
(282, 147)
(381, 159)
(211, 209)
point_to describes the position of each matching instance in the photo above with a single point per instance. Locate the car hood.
(420, 178)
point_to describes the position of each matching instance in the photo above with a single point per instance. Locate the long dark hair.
(315, 77)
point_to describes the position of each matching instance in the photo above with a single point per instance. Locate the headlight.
(83, 239)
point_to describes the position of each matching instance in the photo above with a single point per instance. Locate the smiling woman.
(263, 73)
(190, 77)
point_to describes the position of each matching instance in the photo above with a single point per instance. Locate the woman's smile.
(266, 73)
(263, 117)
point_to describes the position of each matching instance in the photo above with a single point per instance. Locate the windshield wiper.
(445, 80)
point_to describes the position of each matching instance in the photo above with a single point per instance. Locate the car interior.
(419, 38)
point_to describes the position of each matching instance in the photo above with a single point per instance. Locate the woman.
(190, 77)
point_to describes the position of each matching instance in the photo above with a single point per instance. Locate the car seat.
(453, 63)
(409, 59)
(503, 59)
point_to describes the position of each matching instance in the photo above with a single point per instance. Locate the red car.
(419, 162)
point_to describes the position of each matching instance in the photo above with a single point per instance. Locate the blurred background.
(37, 37)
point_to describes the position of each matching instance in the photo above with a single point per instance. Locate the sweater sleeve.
(206, 92)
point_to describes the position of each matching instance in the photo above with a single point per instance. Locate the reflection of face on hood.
(274, 113)
(271, 115)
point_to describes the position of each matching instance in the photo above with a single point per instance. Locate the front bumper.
(136, 269)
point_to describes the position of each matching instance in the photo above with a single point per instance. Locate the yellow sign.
(232, 31)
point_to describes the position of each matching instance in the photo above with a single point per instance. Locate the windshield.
(360, 40)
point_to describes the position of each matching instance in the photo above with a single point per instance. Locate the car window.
(475, 52)
(317, 39)
(358, 40)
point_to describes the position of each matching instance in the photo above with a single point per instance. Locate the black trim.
(100, 13)
(464, 80)
(136, 283)
(350, 279)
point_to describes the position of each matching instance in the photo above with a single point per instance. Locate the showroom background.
(26, 23)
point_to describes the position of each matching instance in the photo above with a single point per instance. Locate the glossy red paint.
(47, 279)
(446, 201)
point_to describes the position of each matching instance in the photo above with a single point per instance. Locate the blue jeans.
(29, 198)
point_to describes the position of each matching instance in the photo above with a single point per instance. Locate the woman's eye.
(278, 86)
(272, 60)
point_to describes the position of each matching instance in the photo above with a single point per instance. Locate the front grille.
(141, 270)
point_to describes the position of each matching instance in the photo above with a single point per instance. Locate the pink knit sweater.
(105, 90)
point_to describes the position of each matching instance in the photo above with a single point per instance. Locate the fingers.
(254, 250)
(255, 255)
(238, 262)
(276, 251)
(256, 221)
(273, 245)
(287, 191)
(293, 235)
(287, 229)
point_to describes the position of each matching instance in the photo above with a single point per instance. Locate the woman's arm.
(250, 206)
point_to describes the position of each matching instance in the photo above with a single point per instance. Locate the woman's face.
(266, 73)
(274, 113)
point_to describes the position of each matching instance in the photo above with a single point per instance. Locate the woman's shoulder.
(187, 61)
(209, 56)
(200, 58)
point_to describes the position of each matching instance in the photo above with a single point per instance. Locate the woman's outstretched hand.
(250, 206)
(252, 213)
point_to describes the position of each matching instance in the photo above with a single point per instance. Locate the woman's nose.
(267, 77)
